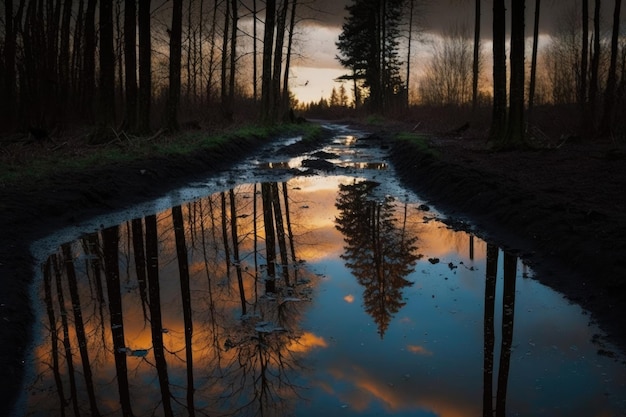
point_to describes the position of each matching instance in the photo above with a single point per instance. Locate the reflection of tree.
(152, 257)
(110, 243)
(490, 298)
(47, 283)
(508, 309)
(80, 327)
(235, 364)
(378, 251)
(264, 365)
(183, 268)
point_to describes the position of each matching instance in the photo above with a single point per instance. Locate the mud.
(561, 210)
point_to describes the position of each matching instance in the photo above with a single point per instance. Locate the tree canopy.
(368, 47)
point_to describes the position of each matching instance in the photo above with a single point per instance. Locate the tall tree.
(8, 108)
(173, 97)
(130, 62)
(292, 23)
(515, 129)
(64, 58)
(224, 75)
(233, 57)
(89, 61)
(145, 67)
(281, 25)
(266, 76)
(368, 46)
(533, 62)
(498, 120)
(107, 66)
(595, 68)
(606, 126)
(584, 56)
(476, 62)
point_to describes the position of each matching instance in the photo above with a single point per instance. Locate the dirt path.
(563, 210)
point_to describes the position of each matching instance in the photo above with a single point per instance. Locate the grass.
(420, 142)
(21, 164)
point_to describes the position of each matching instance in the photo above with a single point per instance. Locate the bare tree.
(498, 120)
(106, 90)
(130, 62)
(533, 62)
(173, 97)
(266, 76)
(606, 126)
(145, 67)
(476, 62)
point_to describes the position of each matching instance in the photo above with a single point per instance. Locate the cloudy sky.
(316, 66)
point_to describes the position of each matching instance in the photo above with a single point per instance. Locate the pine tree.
(368, 47)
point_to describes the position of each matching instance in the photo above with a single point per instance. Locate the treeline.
(139, 65)
(584, 64)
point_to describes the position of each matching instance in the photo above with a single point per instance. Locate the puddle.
(280, 289)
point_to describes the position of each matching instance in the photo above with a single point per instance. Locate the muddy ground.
(563, 210)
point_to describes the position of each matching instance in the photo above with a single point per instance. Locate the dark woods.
(140, 66)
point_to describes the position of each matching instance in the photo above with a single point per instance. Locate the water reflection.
(317, 295)
(379, 250)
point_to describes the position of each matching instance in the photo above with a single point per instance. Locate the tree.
(476, 62)
(606, 125)
(515, 129)
(447, 77)
(368, 46)
(173, 97)
(266, 76)
(590, 116)
(10, 78)
(130, 62)
(145, 67)
(533, 62)
(107, 66)
(498, 120)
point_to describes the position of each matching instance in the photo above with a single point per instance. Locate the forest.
(142, 66)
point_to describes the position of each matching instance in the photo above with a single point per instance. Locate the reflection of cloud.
(349, 298)
(366, 388)
(419, 350)
(307, 342)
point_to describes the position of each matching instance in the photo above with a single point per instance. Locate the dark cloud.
(445, 15)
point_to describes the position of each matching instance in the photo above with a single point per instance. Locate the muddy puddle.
(305, 286)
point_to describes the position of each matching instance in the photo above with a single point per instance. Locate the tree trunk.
(278, 58)
(9, 97)
(595, 67)
(608, 116)
(533, 62)
(224, 77)
(130, 62)
(145, 67)
(64, 59)
(515, 126)
(476, 62)
(89, 64)
(498, 120)
(173, 97)
(408, 54)
(107, 66)
(266, 76)
(584, 56)
(255, 74)
(235, 238)
(286, 105)
(233, 60)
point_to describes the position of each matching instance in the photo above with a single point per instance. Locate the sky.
(315, 68)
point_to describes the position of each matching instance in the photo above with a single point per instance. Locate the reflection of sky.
(430, 361)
